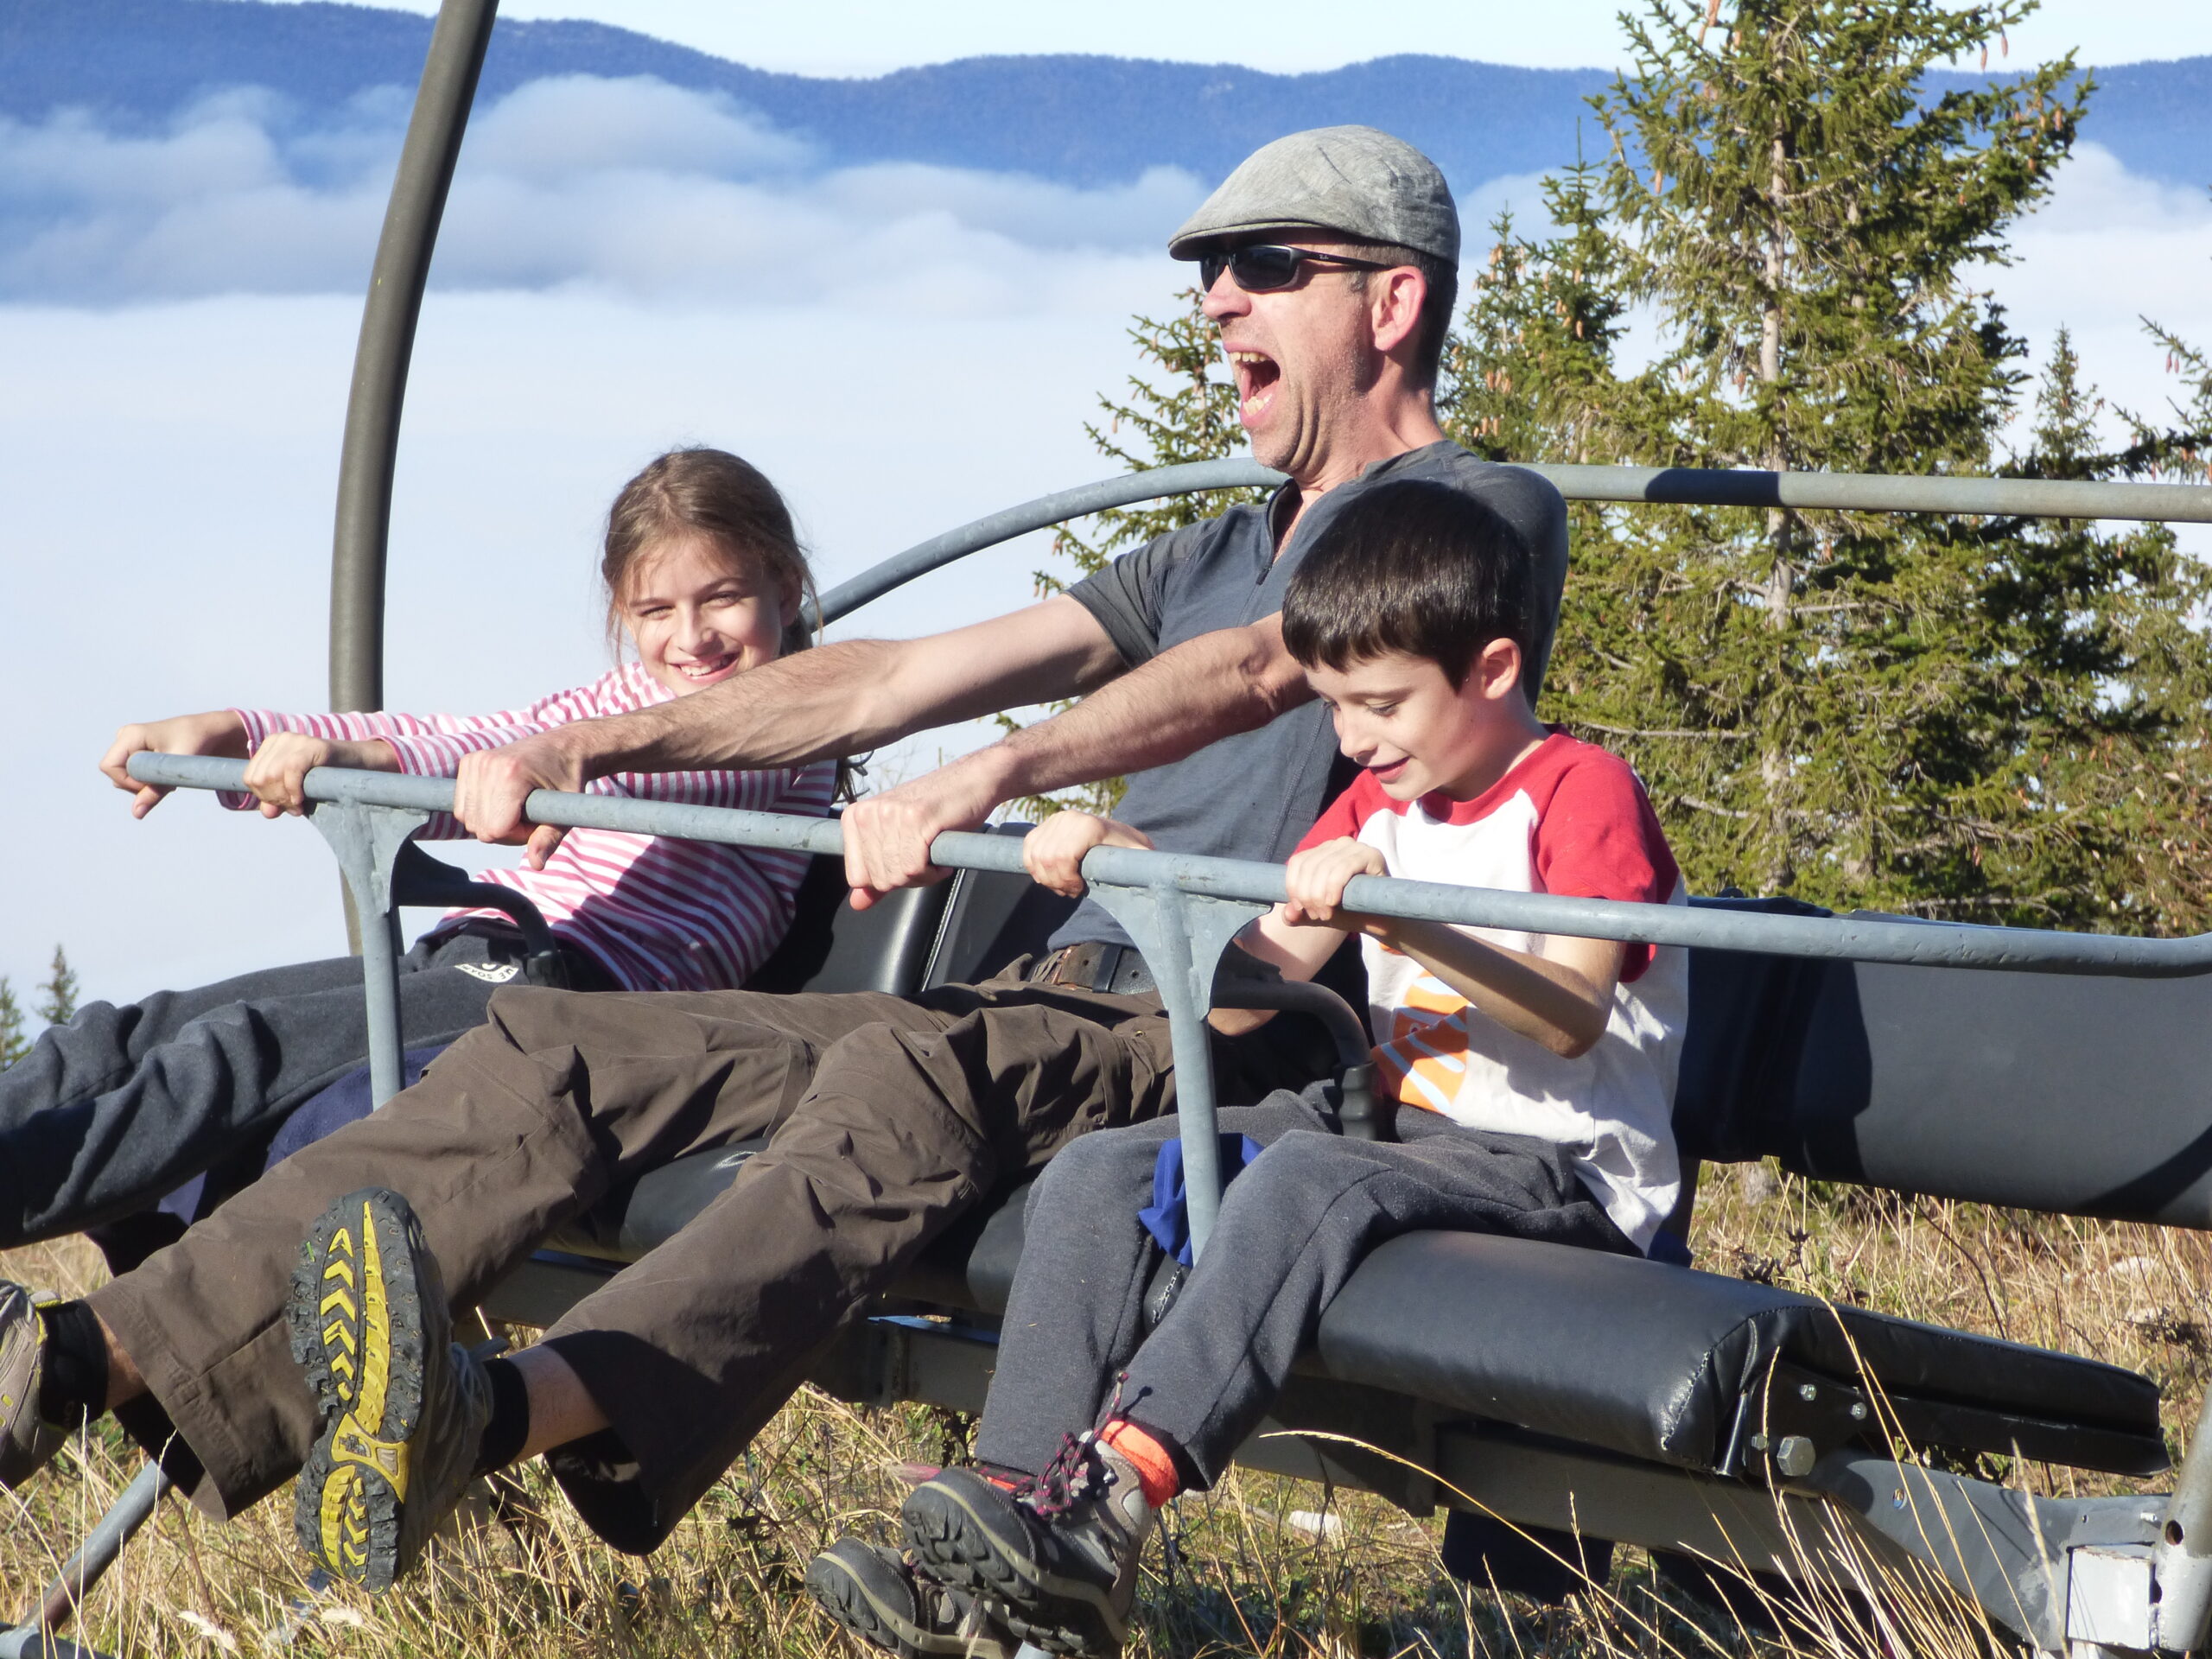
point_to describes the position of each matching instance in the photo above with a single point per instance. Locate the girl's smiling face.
(699, 613)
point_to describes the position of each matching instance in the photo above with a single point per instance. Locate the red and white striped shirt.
(658, 914)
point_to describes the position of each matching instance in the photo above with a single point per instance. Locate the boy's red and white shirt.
(1571, 819)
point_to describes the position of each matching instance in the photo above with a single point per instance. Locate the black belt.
(1096, 966)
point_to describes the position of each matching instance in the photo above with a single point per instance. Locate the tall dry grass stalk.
(1261, 1565)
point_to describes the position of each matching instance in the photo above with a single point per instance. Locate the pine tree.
(1180, 412)
(1819, 702)
(1530, 373)
(14, 1045)
(2116, 618)
(58, 994)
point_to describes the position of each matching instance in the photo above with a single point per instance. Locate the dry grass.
(1242, 1576)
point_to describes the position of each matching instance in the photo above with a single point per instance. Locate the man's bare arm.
(1212, 687)
(1235, 680)
(836, 700)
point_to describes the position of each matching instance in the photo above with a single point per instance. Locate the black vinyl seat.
(1693, 1370)
(2073, 1094)
(1663, 1363)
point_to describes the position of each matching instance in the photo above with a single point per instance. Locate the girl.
(704, 575)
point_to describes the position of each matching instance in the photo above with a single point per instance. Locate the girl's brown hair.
(707, 492)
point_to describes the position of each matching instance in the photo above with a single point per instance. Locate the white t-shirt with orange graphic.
(1569, 819)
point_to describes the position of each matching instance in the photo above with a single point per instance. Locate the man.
(1330, 261)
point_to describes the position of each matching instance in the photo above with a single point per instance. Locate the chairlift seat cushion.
(1655, 1361)
(2071, 1094)
(1649, 1360)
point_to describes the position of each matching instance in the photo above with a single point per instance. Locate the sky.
(868, 37)
(175, 346)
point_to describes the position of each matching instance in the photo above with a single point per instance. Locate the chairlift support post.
(371, 447)
(359, 538)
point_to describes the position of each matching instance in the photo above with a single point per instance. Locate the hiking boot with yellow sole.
(28, 1441)
(403, 1406)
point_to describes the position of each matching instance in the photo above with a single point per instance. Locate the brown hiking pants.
(888, 1116)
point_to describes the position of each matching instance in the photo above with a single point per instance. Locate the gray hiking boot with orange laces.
(1055, 1560)
(403, 1406)
(28, 1441)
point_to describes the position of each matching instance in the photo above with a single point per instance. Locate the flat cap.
(1354, 181)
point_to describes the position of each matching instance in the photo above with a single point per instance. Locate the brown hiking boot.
(28, 1441)
(403, 1406)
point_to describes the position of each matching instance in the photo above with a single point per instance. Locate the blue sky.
(175, 346)
(863, 37)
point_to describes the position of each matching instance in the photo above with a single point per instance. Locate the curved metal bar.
(2026, 498)
(387, 342)
(1852, 938)
(1046, 511)
(1682, 486)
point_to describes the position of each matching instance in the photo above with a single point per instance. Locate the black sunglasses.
(1266, 266)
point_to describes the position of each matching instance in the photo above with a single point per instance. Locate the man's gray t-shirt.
(1252, 795)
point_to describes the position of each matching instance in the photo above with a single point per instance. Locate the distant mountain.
(1078, 120)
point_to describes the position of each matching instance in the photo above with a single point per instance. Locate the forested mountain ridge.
(1074, 120)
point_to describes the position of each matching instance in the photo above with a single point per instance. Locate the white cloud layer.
(2108, 250)
(630, 186)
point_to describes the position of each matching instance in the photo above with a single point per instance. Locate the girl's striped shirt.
(658, 914)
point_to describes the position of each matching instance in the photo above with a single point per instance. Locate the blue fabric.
(333, 1107)
(1167, 1218)
(1668, 1250)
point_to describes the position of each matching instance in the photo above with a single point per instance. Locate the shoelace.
(1076, 1472)
(1066, 1479)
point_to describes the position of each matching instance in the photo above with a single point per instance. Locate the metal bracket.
(1792, 1419)
(2003, 1551)
(1181, 936)
(368, 841)
(2182, 1563)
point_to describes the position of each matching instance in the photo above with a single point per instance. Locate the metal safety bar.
(35, 1637)
(2024, 497)
(1181, 910)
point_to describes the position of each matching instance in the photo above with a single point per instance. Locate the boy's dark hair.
(1411, 566)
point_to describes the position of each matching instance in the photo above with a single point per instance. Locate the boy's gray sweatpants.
(1293, 1226)
(109, 1113)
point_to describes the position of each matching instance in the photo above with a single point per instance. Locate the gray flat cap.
(1354, 181)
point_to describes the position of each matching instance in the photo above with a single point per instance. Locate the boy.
(1544, 1069)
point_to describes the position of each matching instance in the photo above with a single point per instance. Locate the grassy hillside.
(1258, 1568)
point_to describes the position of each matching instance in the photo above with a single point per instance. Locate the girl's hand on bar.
(276, 776)
(219, 732)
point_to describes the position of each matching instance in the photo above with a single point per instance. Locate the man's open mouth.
(1257, 375)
